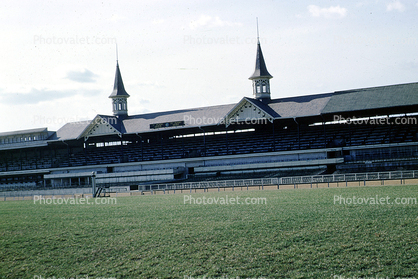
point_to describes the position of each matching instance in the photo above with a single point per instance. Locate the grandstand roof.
(23, 132)
(373, 98)
(302, 106)
(196, 117)
(70, 130)
(381, 98)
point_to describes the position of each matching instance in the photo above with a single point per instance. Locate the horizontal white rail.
(390, 175)
(288, 180)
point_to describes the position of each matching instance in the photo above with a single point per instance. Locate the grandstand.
(368, 129)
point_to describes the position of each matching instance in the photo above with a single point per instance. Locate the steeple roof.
(118, 88)
(260, 65)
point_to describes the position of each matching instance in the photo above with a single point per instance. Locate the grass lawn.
(296, 234)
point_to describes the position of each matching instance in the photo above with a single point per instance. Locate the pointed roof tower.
(119, 95)
(260, 65)
(261, 77)
(118, 88)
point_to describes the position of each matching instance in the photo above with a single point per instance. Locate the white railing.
(390, 175)
(216, 184)
(260, 182)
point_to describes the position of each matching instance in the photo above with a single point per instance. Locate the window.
(264, 88)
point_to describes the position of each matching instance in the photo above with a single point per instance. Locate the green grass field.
(297, 234)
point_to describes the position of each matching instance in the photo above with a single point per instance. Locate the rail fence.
(258, 182)
(331, 178)
(215, 184)
(349, 177)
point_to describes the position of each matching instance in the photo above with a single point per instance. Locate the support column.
(162, 148)
(121, 160)
(274, 138)
(226, 136)
(93, 183)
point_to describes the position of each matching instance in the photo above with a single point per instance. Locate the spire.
(261, 77)
(118, 88)
(260, 64)
(119, 95)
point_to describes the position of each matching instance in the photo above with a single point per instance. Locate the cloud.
(410, 66)
(331, 12)
(81, 76)
(395, 5)
(150, 83)
(208, 21)
(144, 101)
(35, 96)
(116, 18)
(158, 21)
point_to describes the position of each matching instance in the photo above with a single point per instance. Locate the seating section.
(357, 167)
(307, 137)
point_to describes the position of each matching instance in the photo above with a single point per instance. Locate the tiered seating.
(308, 137)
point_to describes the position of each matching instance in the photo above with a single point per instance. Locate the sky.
(58, 58)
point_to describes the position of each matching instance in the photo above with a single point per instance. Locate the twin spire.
(119, 95)
(261, 77)
(118, 88)
(261, 84)
(260, 65)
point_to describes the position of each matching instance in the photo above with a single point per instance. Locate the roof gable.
(101, 125)
(249, 110)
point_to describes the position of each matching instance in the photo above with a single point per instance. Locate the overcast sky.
(58, 58)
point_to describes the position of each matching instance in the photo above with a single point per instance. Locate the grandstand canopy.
(363, 102)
